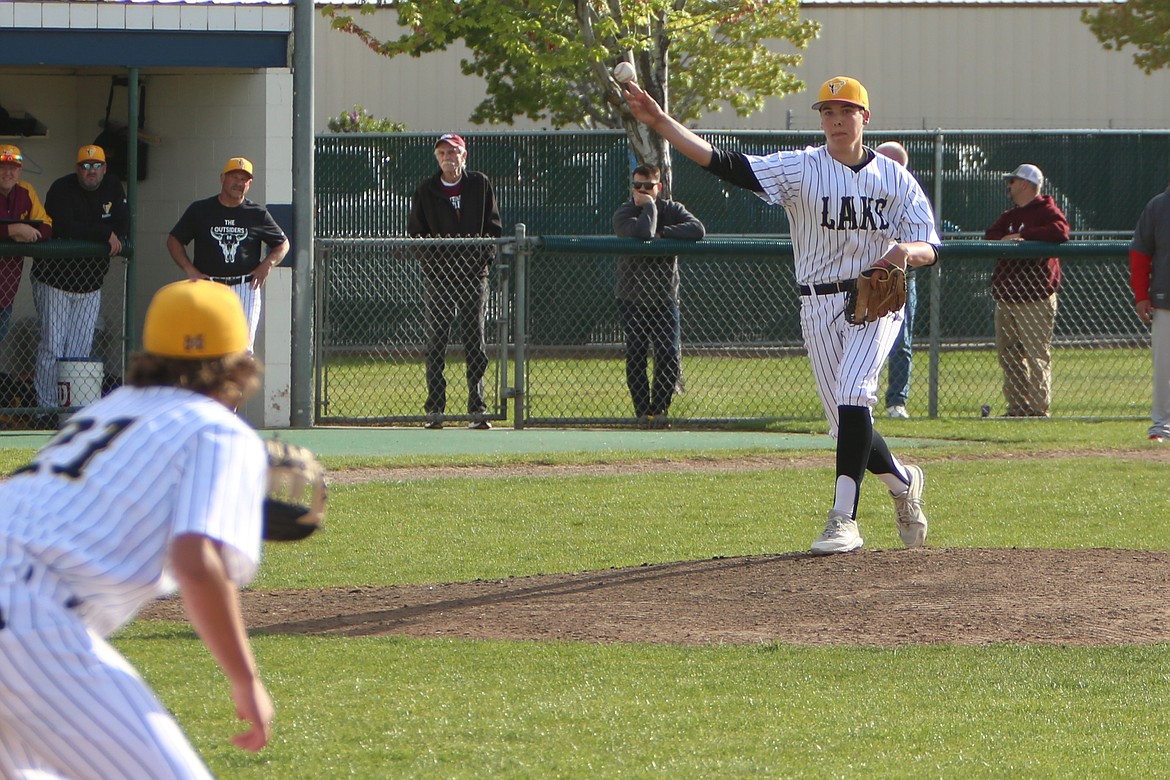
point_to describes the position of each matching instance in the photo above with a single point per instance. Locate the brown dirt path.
(883, 598)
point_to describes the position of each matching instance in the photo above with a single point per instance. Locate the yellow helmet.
(843, 89)
(195, 320)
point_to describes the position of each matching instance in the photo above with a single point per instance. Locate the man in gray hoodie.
(647, 294)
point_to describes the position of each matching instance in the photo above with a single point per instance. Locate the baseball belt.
(231, 281)
(828, 288)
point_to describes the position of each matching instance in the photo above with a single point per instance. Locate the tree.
(551, 60)
(1145, 24)
(361, 121)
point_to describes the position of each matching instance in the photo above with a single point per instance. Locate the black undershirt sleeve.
(733, 167)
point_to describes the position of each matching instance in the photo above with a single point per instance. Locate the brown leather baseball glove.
(879, 291)
(295, 505)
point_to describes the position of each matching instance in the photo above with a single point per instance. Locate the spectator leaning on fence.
(1149, 261)
(1025, 292)
(901, 354)
(86, 205)
(455, 202)
(23, 219)
(647, 294)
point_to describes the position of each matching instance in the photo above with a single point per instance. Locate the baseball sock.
(886, 467)
(854, 441)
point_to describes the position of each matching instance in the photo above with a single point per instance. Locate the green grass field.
(413, 708)
(1086, 383)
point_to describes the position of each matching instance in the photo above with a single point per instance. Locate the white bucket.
(79, 381)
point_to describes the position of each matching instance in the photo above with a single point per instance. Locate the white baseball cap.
(1028, 173)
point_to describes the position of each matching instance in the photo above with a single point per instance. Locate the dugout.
(171, 90)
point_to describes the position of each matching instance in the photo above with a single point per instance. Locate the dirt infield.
(882, 598)
(885, 598)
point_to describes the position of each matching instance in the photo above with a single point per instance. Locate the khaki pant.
(1023, 339)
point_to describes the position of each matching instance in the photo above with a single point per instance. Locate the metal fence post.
(935, 285)
(320, 327)
(506, 249)
(520, 291)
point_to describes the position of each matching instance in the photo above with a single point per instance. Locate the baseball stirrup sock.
(854, 441)
(885, 466)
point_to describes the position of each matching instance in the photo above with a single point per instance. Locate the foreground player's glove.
(879, 291)
(295, 505)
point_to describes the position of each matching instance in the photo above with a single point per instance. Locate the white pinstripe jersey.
(101, 502)
(843, 220)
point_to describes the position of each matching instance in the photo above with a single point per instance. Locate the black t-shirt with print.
(229, 241)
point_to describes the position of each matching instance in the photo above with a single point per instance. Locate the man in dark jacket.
(1025, 291)
(455, 202)
(86, 205)
(647, 294)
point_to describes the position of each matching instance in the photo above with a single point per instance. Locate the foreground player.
(850, 209)
(156, 485)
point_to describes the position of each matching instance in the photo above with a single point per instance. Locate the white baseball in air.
(623, 72)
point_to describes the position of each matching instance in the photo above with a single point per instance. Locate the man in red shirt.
(22, 219)
(1024, 289)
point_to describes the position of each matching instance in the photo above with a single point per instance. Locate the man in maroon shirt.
(22, 219)
(1025, 292)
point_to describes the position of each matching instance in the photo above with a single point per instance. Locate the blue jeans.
(898, 389)
(652, 326)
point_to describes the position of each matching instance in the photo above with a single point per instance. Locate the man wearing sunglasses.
(647, 294)
(85, 205)
(22, 219)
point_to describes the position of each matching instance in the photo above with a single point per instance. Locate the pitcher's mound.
(883, 597)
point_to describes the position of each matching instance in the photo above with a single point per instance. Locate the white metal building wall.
(970, 65)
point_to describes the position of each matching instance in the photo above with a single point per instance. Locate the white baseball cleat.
(897, 412)
(840, 535)
(908, 509)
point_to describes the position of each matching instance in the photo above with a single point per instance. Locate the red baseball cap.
(450, 138)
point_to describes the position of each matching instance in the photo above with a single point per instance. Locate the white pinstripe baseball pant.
(846, 359)
(250, 300)
(70, 705)
(68, 321)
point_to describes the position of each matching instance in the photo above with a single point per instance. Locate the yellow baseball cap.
(11, 154)
(91, 153)
(195, 320)
(842, 89)
(238, 164)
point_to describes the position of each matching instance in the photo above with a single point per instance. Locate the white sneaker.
(908, 510)
(840, 535)
(898, 412)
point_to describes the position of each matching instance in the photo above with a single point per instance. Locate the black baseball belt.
(231, 281)
(828, 288)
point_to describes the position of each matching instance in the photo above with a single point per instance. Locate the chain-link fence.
(64, 340)
(569, 183)
(556, 335)
(386, 311)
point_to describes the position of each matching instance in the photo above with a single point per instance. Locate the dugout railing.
(556, 348)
